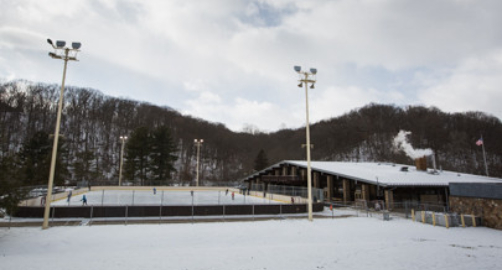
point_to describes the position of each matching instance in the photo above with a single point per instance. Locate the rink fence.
(163, 211)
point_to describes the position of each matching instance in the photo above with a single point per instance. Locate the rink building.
(369, 181)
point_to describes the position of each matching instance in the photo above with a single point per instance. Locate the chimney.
(421, 163)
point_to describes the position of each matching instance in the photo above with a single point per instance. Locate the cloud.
(208, 58)
(238, 112)
(474, 85)
(335, 101)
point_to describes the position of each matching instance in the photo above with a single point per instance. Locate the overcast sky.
(231, 61)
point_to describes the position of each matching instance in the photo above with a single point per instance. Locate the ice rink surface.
(162, 197)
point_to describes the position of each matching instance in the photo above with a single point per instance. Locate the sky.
(231, 62)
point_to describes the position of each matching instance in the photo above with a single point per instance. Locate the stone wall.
(490, 210)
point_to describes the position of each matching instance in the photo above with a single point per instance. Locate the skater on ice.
(84, 200)
(69, 196)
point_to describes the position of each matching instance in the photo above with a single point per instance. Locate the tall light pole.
(306, 78)
(198, 143)
(64, 53)
(122, 141)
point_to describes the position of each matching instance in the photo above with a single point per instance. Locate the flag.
(479, 142)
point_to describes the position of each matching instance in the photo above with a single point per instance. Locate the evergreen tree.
(261, 161)
(137, 152)
(11, 191)
(84, 166)
(163, 154)
(35, 158)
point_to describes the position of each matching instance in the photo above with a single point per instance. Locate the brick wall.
(490, 210)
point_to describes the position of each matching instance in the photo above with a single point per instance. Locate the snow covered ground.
(340, 243)
(168, 197)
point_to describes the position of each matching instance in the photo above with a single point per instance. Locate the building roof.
(386, 174)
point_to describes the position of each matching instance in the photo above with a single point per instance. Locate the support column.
(317, 180)
(330, 187)
(303, 174)
(277, 172)
(366, 192)
(285, 170)
(346, 191)
(389, 199)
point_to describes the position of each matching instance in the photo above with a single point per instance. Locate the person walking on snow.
(69, 196)
(233, 195)
(84, 200)
(154, 191)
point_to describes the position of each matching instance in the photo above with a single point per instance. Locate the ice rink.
(162, 197)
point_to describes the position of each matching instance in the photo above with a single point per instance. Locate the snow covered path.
(347, 243)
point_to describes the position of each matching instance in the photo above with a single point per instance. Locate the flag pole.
(484, 154)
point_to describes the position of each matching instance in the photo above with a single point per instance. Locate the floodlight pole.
(198, 143)
(306, 80)
(122, 140)
(65, 58)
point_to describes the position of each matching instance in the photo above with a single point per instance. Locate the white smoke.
(401, 142)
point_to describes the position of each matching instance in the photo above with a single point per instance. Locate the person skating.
(84, 200)
(69, 196)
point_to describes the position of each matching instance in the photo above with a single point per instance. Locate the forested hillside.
(92, 124)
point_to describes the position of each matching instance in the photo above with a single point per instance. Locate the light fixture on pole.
(198, 143)
(65, 54)
(306, 78)
(122, 141)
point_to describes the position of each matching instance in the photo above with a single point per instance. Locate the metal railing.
(293, 191)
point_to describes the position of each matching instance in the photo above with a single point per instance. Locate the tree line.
(160, 148)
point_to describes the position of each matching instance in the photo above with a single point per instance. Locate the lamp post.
(122, 141)
(198, 143)
(65, 54)
(306, 78)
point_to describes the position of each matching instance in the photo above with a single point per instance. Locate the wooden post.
(446, 221)
(365, 192)
(413, 215)
(330, 187)
(473, 220)
(462, 220)
(423, 216)
(389, 199)
(433, 218)
(346, 191)
(317, 180)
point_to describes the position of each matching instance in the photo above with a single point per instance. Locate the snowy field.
(340, 243)
(168, 197)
